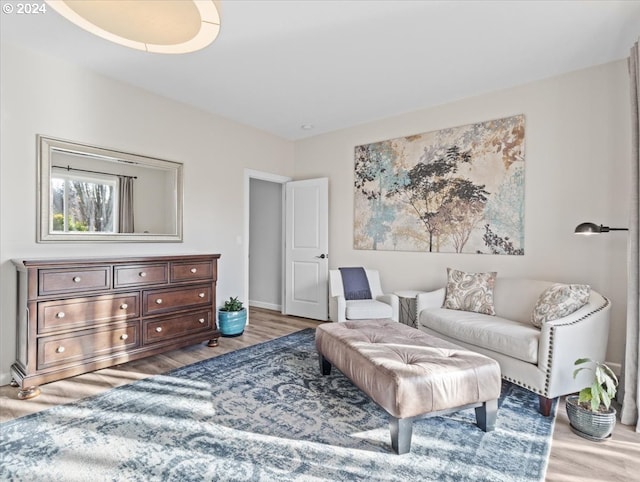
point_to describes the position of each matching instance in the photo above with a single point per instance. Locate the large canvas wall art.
(456, 190)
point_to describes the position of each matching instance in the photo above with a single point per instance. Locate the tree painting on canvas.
(456, 190)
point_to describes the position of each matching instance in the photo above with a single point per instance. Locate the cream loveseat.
(538, 359)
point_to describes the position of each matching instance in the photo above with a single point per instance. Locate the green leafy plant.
(232, 304)
(603, 388)
(58, 224)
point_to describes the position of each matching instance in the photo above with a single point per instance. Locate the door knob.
(323, 256)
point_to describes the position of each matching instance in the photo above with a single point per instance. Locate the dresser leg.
(213, 342)
(29, 392)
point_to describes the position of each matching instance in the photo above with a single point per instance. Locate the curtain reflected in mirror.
(125, 208)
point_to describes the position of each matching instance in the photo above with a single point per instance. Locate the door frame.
(263, 176)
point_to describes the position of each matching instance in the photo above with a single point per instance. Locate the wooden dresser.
(79, 315)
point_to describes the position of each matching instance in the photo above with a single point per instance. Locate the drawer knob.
(60, 349)
(124, 306)
(124, 336)
(201, 320)
(159, 329)
(60, 314)
(77, 279)
(201, 295)
(193, 270)
(142, 274)
(159, 301)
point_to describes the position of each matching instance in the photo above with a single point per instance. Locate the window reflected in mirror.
(83, 203)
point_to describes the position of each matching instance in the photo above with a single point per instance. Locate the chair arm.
(582, 334)
(429, 299)
(394, 301)
(337, 308)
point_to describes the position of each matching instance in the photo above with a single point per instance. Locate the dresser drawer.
(191, 271)
(84, 312)
(140, 275)
(86, 345)
(56, 281)
(170, 328)
(160, 301)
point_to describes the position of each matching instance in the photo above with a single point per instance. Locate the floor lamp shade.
(591, 228)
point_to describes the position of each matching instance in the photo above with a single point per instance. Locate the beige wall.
(41, 95)
(577, 151)
(577, 164)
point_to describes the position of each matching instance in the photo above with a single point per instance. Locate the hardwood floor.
(572, 458)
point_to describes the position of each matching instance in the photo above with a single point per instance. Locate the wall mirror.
(88, 193)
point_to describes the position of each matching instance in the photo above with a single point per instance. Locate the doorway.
(264, 235)
(286, 244)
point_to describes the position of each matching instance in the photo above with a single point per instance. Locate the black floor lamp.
(590, 228)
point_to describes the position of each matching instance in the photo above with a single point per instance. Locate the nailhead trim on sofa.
(550, 352)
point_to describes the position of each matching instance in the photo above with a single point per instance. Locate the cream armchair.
(379, 306)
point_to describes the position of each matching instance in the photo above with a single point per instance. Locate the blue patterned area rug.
(265, 413)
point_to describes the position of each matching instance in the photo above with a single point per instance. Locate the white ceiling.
(278, 64)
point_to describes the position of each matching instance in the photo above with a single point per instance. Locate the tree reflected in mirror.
(83, 204)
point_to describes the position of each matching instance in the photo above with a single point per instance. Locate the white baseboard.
(266, 306)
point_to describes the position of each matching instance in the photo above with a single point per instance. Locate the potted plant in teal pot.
(232, 318)
(590, 412)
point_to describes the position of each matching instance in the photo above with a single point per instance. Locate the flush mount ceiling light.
(160, 26)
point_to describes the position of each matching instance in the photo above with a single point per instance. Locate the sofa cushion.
(367, 309)
(470, 291)
(558, 301)
(497, 334)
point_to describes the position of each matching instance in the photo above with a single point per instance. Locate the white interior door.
(306, 248)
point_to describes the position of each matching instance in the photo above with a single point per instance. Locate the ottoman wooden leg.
(486, 415)
(325, 366)
(401, 430)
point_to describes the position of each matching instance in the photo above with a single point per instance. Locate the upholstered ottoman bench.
(410, 374)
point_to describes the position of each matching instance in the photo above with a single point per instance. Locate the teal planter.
(232, 323)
